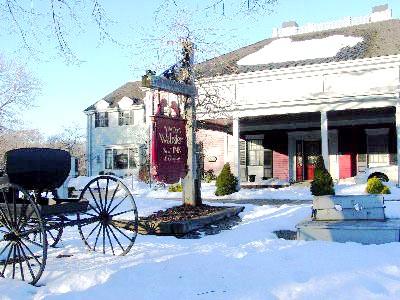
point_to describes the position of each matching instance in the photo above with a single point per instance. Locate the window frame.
(125, 117)
(101, 119)
(132, 154)
(255, 153)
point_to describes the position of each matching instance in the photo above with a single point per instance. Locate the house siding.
(114, 136)
(213, 143)
(280, 165)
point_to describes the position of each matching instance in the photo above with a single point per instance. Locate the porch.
(285, 147)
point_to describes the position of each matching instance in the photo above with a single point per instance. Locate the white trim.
(377, 131)
(236, 143)
(254, 137)
(327, 68)
(324, 139)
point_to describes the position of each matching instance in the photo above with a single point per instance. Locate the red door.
(311, 151)
(345, 166)
(299, 161)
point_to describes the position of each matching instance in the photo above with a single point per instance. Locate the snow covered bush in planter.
(322, 183)
(226, 182)
(375, 186)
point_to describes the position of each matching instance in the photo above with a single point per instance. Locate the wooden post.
(191, 183)
(398, 140)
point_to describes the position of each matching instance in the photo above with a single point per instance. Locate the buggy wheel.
(21, 257)
(54, 234)
(54, 229)
(110, 205)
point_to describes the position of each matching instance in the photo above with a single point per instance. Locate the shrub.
(71, 191)
(375, 186)
(175, 187)
(386, 190)
(209, 176)
(226, 182)
(322, 183)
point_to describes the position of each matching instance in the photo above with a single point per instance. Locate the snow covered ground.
(246, 262)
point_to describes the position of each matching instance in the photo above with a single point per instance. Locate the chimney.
(380, 13)
(289, 28)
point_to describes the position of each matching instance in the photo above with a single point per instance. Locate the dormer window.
(101, 119)
(125, 118)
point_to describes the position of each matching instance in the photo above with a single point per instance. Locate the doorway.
(307, 153)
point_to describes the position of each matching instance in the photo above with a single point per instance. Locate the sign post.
(181, 84)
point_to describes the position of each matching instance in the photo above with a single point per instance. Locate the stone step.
(364, 232)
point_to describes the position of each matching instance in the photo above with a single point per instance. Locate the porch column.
(236, 149)
(398, 140)
(324, 138)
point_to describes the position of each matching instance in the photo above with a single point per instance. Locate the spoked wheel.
(54, 230)
(110, 224)
(21, 257)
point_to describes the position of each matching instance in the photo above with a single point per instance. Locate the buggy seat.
(37, 169)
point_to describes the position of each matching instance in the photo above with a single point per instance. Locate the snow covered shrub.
(322, 183)
(375, 186)
(209, 176)
(175, 187)
(226, 182)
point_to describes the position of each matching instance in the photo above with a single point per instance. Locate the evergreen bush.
(226, 182)
(322, 183)
(209, 176)
(175, 187)
(375, 186)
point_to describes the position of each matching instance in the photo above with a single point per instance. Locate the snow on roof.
(285, 49)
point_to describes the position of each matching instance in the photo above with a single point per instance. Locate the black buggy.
(33, 217)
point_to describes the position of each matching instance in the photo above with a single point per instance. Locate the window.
(378, 149)
(101, 119)
(125, 118)
(120, 157)
(255, 152)
(126, 158)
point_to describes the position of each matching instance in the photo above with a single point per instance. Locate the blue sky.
(68, 89)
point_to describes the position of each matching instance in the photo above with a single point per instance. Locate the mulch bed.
(286, 234)
(182, 213)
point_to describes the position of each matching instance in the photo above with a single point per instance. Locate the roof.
(379, 39)
(130, 89)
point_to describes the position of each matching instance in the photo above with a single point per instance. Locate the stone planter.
(348, 207)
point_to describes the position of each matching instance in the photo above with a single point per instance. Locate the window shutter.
(131, 115)
(242, 156)
(96, 120)
(120, 118)
(106, 119)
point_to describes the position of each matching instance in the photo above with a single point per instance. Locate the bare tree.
(71, 139)
(54, 21)
(18, 89)
(199, 22)
(13, 139)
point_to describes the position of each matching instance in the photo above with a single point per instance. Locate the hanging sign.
(171, 86)
(169, 149)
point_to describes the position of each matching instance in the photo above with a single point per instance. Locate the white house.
(329, 89)
(116, 131)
